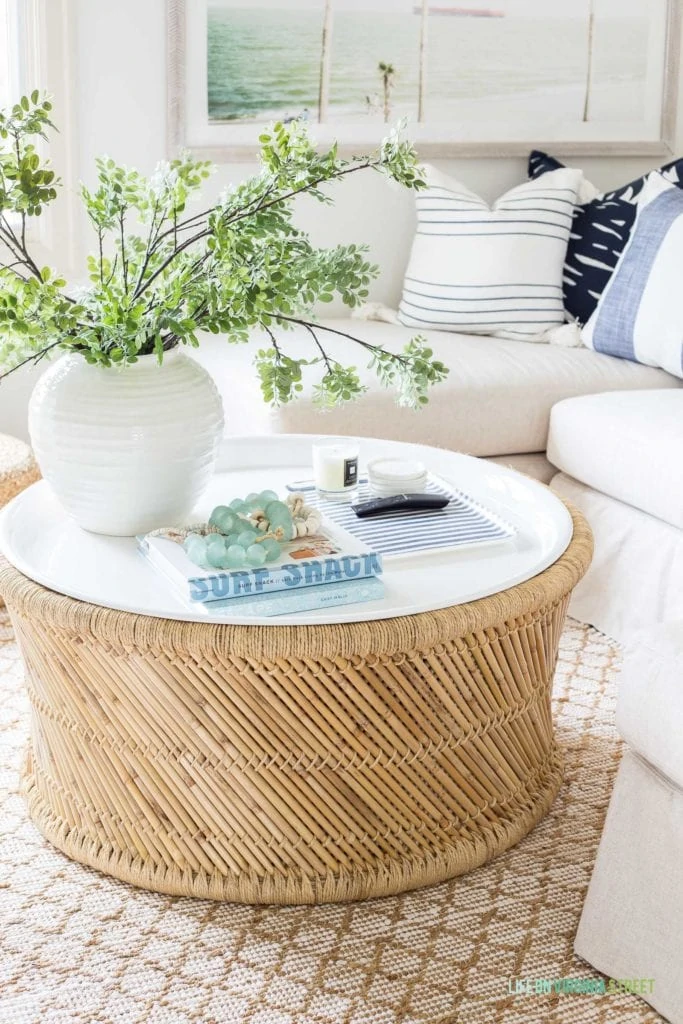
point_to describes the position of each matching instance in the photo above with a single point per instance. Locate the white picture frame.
(189, 124)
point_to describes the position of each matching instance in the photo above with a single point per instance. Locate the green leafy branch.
(164, 269)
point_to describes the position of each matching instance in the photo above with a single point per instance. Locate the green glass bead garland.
(249, 532)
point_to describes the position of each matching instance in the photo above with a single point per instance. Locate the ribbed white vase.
(126, 449)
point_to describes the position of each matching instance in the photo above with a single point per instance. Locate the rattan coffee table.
(289, 763)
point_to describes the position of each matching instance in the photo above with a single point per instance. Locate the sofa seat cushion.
(627, 445)
(636, 577)
(495, 401)
(650, 701)
(533, 464)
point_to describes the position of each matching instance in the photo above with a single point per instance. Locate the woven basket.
(292, 764)
(18, 469)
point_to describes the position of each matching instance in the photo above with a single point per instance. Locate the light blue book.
(301, 599)
(308, 562)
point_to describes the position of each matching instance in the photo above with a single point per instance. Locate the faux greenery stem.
(238, 266)
(311, 326)
(261, 205)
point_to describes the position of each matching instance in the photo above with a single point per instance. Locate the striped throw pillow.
(490, 270)
(640, 313)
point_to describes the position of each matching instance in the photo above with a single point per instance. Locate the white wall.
(118, 71)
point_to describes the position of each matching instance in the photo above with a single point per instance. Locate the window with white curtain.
(36, 39)
(10, 59)
(10, 52)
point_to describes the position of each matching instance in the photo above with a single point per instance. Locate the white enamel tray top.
(45, 544)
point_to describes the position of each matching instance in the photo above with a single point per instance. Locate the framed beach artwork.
(472, 78)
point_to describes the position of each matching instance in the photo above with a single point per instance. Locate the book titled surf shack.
(313, 562)
(285, 577)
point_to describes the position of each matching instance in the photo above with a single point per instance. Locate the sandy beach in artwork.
(266, 61)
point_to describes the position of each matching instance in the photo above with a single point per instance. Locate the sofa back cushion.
(490, 270)
(640, 313)
(600, 231)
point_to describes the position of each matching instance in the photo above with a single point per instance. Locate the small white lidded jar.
(388, 477)
(335, 468)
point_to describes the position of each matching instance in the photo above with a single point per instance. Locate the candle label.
(351, 472)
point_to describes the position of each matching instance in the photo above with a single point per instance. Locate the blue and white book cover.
(332, 557)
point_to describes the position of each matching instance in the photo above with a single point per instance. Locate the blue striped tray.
(462, 523)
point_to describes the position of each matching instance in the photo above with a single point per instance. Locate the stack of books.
(311, 573)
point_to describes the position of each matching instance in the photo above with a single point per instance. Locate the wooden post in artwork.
(423, 61)
(325, 63)
(589, 67)
(387, 71)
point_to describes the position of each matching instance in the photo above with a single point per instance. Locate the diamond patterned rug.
(79, 948)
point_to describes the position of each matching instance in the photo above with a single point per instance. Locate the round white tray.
(44, 543)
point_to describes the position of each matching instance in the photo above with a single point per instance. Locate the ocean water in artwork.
(265, 59)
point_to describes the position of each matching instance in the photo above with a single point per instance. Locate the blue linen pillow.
(640, 313)
(600, 230)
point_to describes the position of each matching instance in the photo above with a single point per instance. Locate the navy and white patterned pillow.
(600, 231)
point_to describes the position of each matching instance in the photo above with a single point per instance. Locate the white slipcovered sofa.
(495, 402)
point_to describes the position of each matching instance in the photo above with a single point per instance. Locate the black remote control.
(400, 503)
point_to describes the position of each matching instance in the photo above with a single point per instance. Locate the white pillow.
(483, 270)
(640, 313)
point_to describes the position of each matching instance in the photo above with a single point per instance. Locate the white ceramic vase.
(126, 449)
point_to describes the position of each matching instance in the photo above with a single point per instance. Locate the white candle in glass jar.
(335, 467)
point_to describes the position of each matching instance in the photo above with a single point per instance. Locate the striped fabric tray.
(462, 523)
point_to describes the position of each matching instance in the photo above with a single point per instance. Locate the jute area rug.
(78, 948)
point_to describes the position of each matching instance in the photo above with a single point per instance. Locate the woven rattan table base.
(292, 764)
